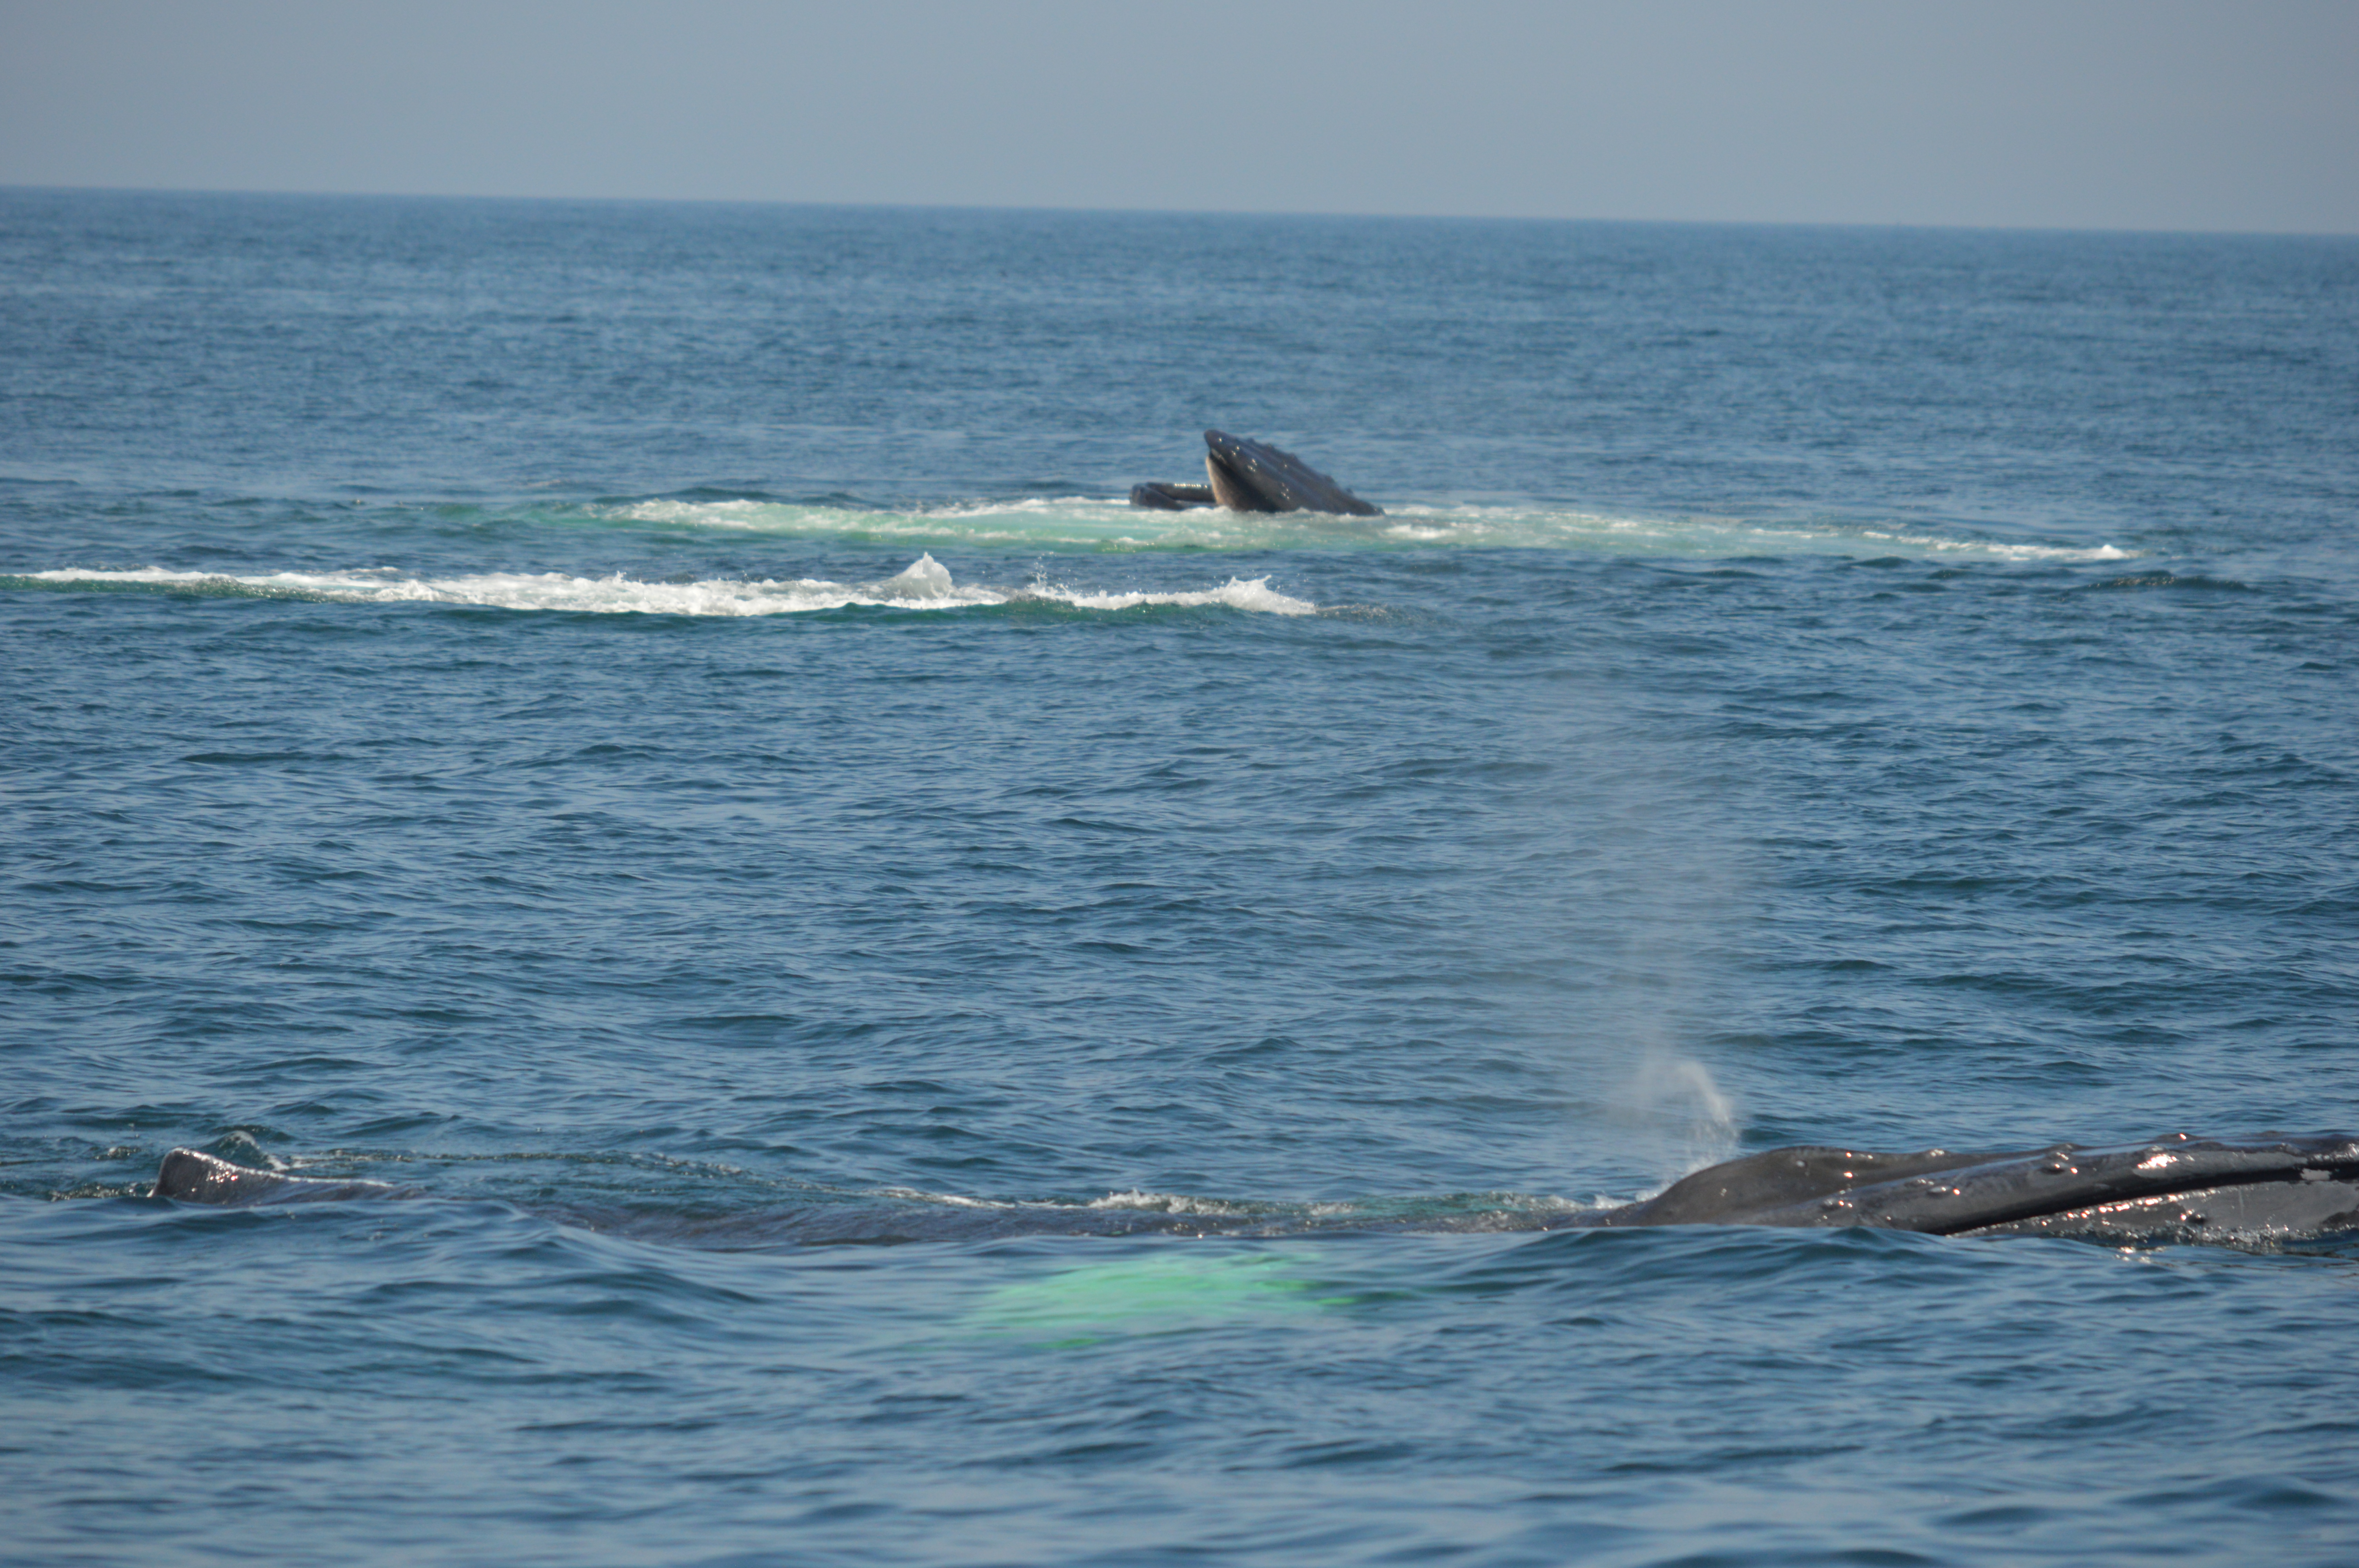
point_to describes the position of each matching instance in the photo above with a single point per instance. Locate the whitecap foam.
(925, 585)
(1237, 593)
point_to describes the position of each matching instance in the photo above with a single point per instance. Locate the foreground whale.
(1248, 476)
(2175, 1189)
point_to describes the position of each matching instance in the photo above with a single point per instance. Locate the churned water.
(919, 1015)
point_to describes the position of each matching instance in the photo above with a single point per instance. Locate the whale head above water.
(1252, 476)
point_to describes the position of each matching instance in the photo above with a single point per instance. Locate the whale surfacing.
(2171, 1190)
(1250, 476)
(191, 1175)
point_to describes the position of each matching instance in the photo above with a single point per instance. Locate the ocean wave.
(925, 585)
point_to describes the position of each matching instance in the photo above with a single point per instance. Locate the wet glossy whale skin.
(2176, 1189)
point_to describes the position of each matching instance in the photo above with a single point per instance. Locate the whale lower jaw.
(2262, 1212)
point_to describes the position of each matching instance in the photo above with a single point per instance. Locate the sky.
(2166, 114)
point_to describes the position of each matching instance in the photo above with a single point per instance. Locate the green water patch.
(1086, 525)
(1185, 1288)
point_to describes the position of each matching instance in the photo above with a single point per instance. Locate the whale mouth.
(1253, 476)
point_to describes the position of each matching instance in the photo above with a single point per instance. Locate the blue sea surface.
(917, 1014)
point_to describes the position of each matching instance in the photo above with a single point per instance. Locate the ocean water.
(919, 1015)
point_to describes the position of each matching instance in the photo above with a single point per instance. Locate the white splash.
(925, 578)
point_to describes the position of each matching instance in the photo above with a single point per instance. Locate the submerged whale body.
(1249, 476)
(2175, 1189)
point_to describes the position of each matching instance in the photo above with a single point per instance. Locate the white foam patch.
(925, 584)
(1704, 537)
(1091, 522)
(1237, 593)
(1174, 1203)
(952, 1200)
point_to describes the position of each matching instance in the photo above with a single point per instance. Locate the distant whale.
(2175, 1189)
(1248, 476)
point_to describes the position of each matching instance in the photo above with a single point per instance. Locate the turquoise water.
(921, 1015)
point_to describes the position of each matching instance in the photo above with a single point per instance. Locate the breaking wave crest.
(925, 584)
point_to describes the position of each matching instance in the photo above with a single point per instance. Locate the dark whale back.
(1783, 1182)
(189, 1175)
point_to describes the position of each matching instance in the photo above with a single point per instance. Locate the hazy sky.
(2073, 113)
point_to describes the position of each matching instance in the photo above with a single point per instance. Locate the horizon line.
(1948, 227)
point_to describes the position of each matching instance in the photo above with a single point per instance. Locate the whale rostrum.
(2171, 1190)
(1250, 476)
